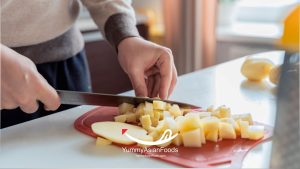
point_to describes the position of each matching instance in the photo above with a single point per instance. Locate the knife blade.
(85, 98)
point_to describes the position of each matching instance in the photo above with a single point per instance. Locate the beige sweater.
(44, 31)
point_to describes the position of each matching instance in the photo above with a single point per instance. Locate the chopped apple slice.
(244, 125)
(125, 107)
(226, 131)
(113, 131)
(244, 117)
(192, 138)
(255, 132)
(102, 142)
(121, 118)
(175, 110)
(146, 122)
(159, 105)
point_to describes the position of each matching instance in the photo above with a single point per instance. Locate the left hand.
(149, 66)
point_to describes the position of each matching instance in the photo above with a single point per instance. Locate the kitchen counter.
(52, 141)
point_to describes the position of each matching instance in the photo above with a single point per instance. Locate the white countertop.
(52, 141)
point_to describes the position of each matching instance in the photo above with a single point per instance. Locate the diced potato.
(244, 125)
(156, 117)
(189, 123)
(161, 127)
(222, 112)
(256, 69)
(226, 131)
(166, 114)
(203, 139)
(192, 138)
(172, 125)
(159, 105)
(175, 110)
(146, 122)
(131, 118)
(113, 131)
(148, 109)
(275, 74)
(244, 117)
(255, 132)
(121, 118)
(198, 114)
(212, 136)
(168, 106)
(125, 107)
(233, 123)
(177, 140)
(140, 110)
(211, 128)
(102, 142)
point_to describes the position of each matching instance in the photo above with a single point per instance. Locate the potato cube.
(148, 109)
(233, 123)
(102, 142)
(198, 114)
(244, 117)
(131, 118)
(140, 110)
(125, 107)
(168, 106)
(212, 136)
(156, 117)
(121, 118)
(166, 114)
(177, 140)
(172, 125)
(226, 131)
(255, 132)
(189, 123)
(146, 122)
(244, 125)
(175, 110)
(222, 112)
(211, 128)
(159, 105)
(192, 138)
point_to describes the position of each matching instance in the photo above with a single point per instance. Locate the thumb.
(138, 82)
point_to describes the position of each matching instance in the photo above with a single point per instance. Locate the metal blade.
(84, 98)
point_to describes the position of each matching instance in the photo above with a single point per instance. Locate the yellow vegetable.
(125, 107)
(256, 69)
(102, 142)
(226, 131)
(159, 105)
(177, 140)
(192, 138)
(121, 118)
(245, 117)
(131, 118)
(211, 128)
(189, 123)
(255, 132)
(148, 109)
(244, 125)
(175, 110)
(275, 74)
(146, 122)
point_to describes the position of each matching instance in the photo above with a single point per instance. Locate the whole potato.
(275, 74)
(255, 69)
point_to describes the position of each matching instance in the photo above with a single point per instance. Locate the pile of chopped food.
(148, 121)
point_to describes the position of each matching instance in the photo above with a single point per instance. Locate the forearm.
(115, 19)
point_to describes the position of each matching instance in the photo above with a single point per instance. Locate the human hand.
(149, 66)
(22, 85)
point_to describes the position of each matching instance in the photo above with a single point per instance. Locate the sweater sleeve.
(114, 18)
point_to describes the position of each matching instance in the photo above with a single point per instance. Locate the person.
(42, 50)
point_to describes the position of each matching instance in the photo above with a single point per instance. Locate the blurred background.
(201, 33)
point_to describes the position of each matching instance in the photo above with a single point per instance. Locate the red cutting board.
(209, 155)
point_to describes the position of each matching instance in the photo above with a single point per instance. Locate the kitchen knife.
(84, 98)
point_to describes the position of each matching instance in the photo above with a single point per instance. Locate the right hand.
(22, 85)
